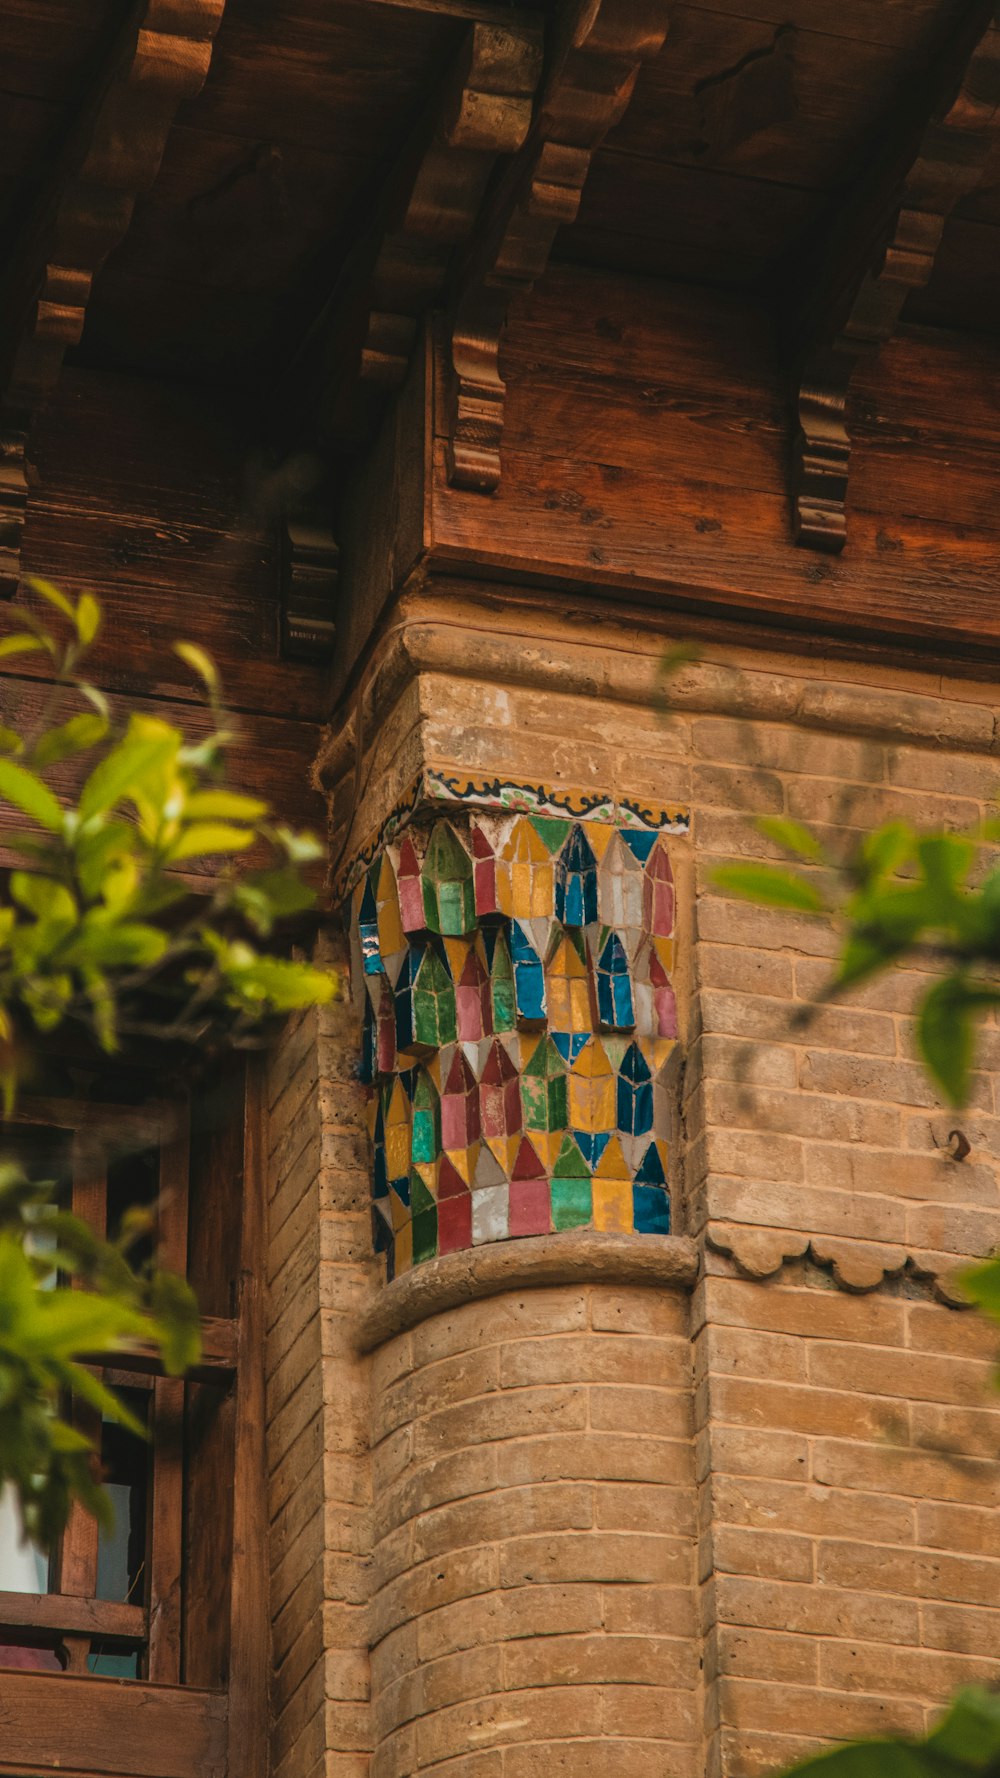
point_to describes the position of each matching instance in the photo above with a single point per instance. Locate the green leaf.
(71, 737)
(770, 885)
(982, 1287)
(275, 983)
(175, 1307)
(148, 744)
(52, 593)
(302, 847)
(970, 1733)
(882, 852)
(223, 805)
(130, 945)
(30, 795)
(19, 643)
(10, 740)
(88, 618)
(863, 955)
(199, 662)
(47, 900)
(97, 1395)
(792, 836)
(206, 837)
(945, 1036)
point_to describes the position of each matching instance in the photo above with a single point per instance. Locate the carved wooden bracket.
(113, 155)
(309, 580)
(360, 345)
(897, 257)
(599, 47)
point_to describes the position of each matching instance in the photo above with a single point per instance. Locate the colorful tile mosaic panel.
(515, 968)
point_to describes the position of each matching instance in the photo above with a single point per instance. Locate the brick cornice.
(856, 1266)
(574, 1257)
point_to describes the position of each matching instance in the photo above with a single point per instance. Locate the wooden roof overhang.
(677, 258)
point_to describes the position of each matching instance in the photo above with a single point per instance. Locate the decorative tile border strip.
(515, 971)
(434, 787)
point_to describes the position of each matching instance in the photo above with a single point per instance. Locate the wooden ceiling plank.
(359, 346)
(596, 54)
(112, 156)
(878, 260)
(357, 351)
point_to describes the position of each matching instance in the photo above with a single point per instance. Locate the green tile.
(551, 830)
(434, 1020)
(570, 1163)
(421, 1201)
(426, 1133)
(425, 1236)
(449, 900)
(572, 1203)
(502, 987)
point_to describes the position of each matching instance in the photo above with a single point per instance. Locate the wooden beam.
(885, 247)
(53, 1722)
(45, 1613)
(359, 347)
(165, 1514)
(249, 1605)
(310, 574)
(113, 155)
(597, 51)
(217, 1363)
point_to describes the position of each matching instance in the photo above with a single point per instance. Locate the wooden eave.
(342, 170)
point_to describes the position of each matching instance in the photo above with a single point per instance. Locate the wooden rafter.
(896, 239)
(598, 49)
(360, 345)
(112, 157)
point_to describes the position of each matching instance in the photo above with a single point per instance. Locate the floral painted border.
(441, 788)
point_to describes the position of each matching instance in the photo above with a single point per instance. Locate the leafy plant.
(901, 894)
(965, 1743)
(101, 932)
(904, 895)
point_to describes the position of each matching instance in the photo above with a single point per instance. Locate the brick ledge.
(578, 1256)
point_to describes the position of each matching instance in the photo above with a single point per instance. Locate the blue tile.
(529, 977)
(651, 1170)
(371, 956)
(634, 1094)
(639, 841)
(576, 881)
(591, 1144)
(570, 1043)
(650, 1210)
(614, 987)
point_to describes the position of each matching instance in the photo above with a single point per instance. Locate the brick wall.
(534, 1560)
(848, 1441)
(320, 1274)
(846, 1445)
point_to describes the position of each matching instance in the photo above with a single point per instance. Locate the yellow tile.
(464, 1160)
(547, 1144)
(611, 1166)
(664, 948)
(612, 1206)
(404, 1248)
(457, 952)
(390, 926)
(599, 837)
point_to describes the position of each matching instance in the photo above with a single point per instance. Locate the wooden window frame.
(85, 1726)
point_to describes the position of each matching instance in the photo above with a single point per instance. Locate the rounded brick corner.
(579, 1256)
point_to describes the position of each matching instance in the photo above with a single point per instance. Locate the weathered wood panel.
(645, 453)
(153, 496)
(114, 1728)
